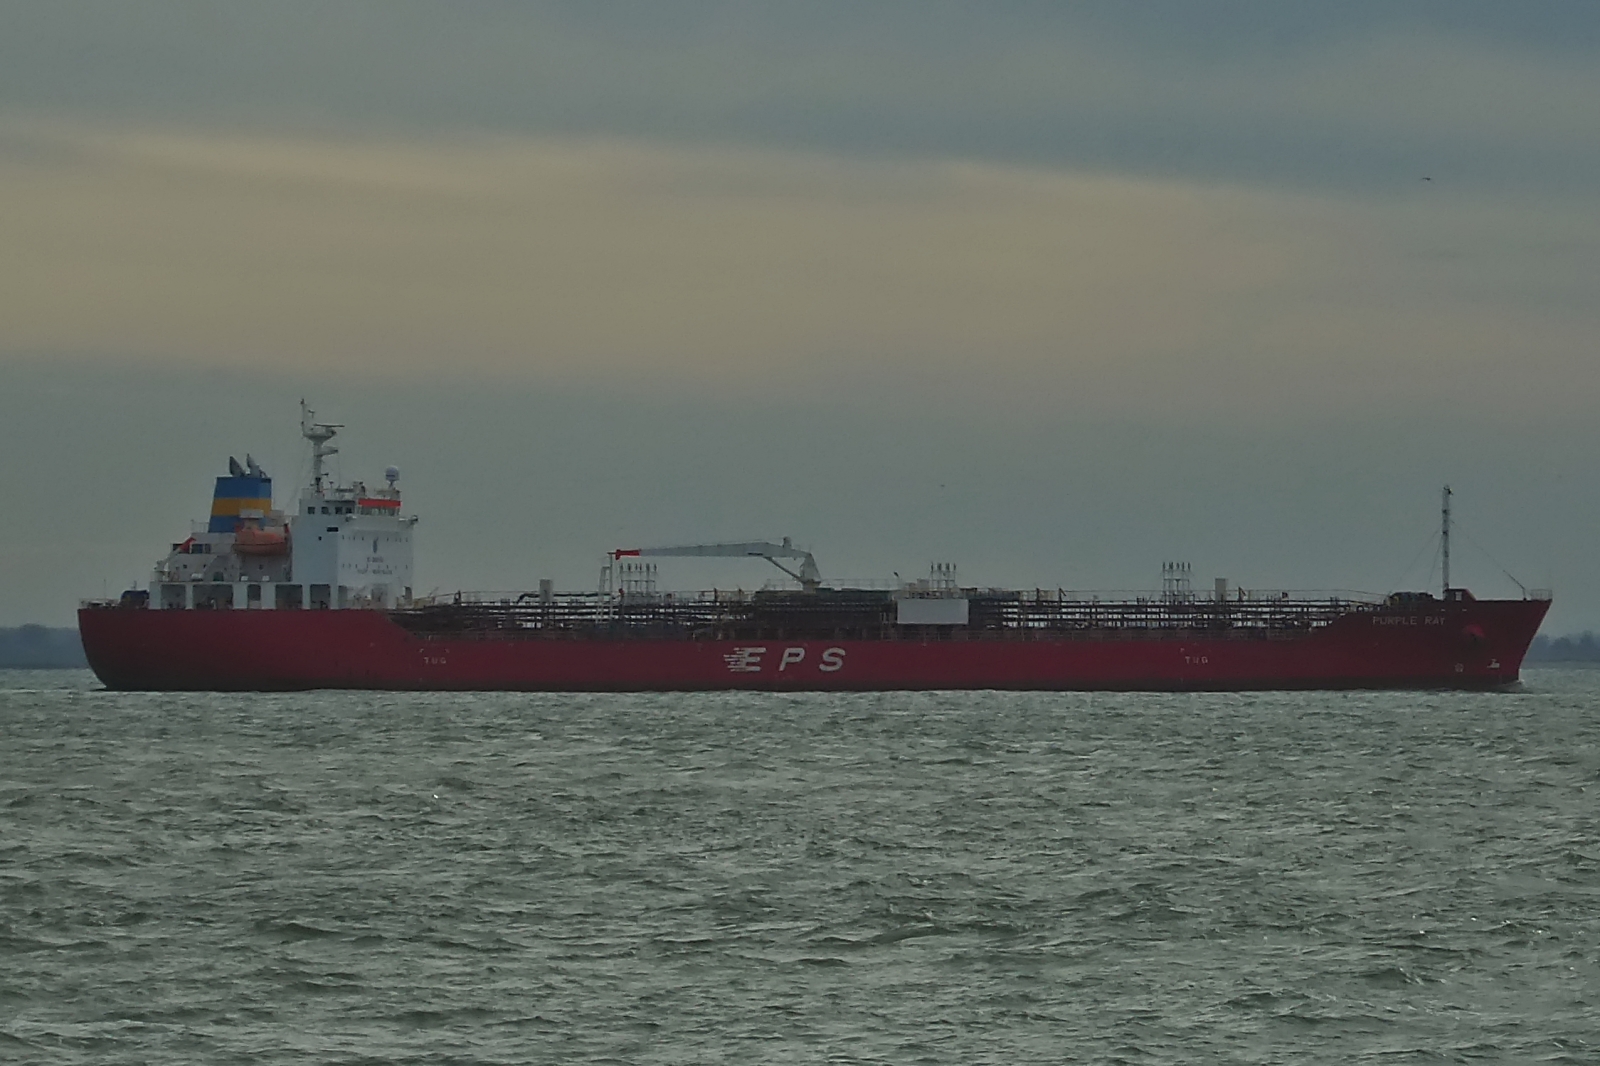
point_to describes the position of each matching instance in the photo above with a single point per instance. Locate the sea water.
(349, 877)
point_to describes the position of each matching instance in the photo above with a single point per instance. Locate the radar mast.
(319, 434)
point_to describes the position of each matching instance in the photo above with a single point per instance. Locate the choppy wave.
(369, 877)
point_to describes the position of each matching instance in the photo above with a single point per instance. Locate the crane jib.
(808, 574)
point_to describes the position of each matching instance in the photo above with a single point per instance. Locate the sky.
(1053, 291)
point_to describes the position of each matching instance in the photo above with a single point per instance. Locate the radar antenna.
(319, 434)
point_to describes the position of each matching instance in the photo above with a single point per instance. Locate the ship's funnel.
(235, 494)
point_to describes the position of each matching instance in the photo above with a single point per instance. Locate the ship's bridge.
(345, 546)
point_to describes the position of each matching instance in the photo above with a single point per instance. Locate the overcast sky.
(1055, 291)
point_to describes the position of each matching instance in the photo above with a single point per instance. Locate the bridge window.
(213, 597)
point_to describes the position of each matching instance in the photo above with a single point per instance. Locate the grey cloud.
(609, 260)
(1358, 93)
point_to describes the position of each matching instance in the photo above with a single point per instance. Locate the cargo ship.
(321, 596)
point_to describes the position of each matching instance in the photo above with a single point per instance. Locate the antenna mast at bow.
(1444, 538)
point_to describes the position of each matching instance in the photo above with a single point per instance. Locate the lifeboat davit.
(249, 540)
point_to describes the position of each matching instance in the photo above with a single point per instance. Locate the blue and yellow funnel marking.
(235, 494)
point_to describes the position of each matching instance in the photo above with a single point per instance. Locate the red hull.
(1476, 644)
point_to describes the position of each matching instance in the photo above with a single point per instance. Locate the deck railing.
(871, 614)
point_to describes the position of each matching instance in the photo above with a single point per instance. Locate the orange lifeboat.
(251, 540)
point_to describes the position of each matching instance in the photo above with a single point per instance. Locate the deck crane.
(809, 576)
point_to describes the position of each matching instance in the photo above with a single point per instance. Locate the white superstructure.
(344, 546)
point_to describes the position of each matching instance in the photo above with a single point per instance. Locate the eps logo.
(753, 659)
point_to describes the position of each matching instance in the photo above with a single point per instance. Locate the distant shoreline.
(41, 648)
(1579, 648)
